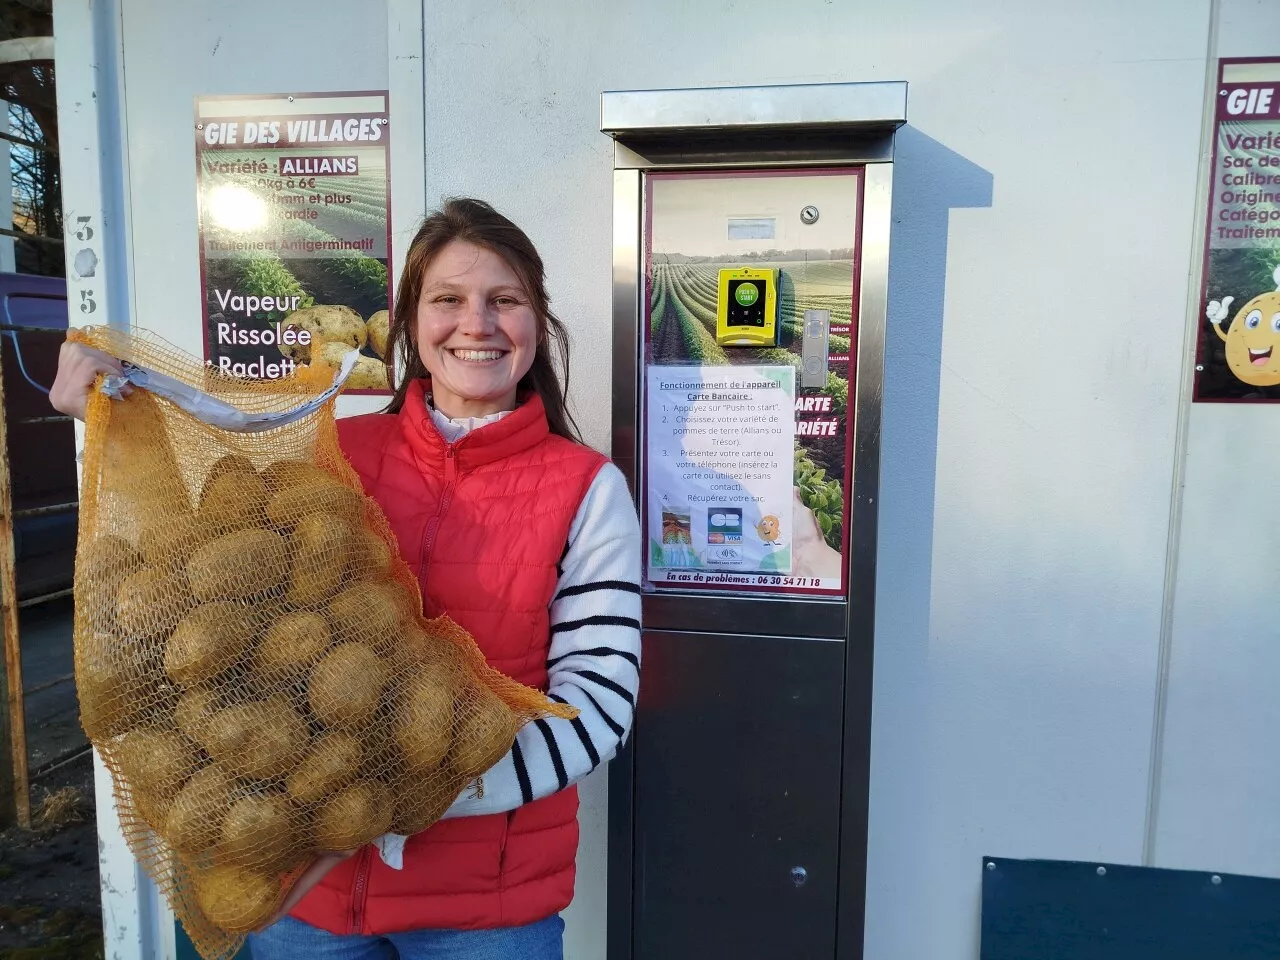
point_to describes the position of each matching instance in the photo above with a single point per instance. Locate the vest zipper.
(429, 536)
(502, 849)
(360, 890)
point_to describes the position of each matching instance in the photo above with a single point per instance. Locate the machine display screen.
(746, 305)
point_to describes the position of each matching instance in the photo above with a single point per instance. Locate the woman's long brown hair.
(474, 221)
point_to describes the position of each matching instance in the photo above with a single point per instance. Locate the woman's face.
(477, 331)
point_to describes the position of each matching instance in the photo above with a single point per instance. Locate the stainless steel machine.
(750, 261)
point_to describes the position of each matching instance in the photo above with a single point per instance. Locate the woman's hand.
(78, 369)
(319, 868)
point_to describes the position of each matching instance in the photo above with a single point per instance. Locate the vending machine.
(750, 263)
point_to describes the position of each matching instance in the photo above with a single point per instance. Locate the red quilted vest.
(484, 521)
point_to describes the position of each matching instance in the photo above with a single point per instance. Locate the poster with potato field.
(746, 456)
(294, 208)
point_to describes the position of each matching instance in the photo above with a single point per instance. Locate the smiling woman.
(473, 281)
(476, 444)
(477, 331)
(526, 538)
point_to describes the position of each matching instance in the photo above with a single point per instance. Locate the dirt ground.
(50, 907)
(50, 903)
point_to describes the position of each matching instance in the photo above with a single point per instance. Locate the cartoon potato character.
(1253, 336)
(770, 530)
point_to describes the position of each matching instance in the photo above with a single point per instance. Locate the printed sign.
(720, 456)
(1238, 348)
(294, 205)
(746, 470)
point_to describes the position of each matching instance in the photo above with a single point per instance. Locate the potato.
(114, 686)
(420, 802)
(234, 501)
(236, 899)
(424, 716)
(378, 329)
(261, 739)
(263, 613)
(354, 817)
(407, 600)
(333, 354)
(102, 565)
(287, 507)
(209, 640)
(293, 644)
(366, 613)
(152, 809)
(420, 647)
(322, 544)
(106, 557)
(370, 556)
(286, 473)
(327, 323)
(485, 730)
(346, 685)
(138, 462)
(194, 821)
(193, 711)
(150, 603)
(155, 763)
(257, 832)
(228, 464)
(368, 373)
(333, 762)
(238, 565)
(167, 540)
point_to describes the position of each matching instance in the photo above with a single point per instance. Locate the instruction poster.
(1238, 346)
(719, 453)
(746, 469)
(294, 219)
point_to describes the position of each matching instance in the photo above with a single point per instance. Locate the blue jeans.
(291, 939)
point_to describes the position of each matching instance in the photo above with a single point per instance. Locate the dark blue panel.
(187, 950)
(1058, 910)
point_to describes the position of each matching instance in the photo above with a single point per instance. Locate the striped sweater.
(594, 661)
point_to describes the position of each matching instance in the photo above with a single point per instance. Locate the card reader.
(747, 308)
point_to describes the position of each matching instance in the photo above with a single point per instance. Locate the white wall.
(1044, 220)
(1022, 579)
(1219, 786)
(174, 52)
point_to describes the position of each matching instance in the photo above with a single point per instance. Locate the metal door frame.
(829, 125)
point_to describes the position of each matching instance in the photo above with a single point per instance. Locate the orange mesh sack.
(251, 656)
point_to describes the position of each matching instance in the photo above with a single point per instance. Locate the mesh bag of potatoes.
(251, 656)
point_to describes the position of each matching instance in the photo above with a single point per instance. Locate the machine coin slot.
(747, 308)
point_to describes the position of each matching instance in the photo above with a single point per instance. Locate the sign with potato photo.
(294, 215)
